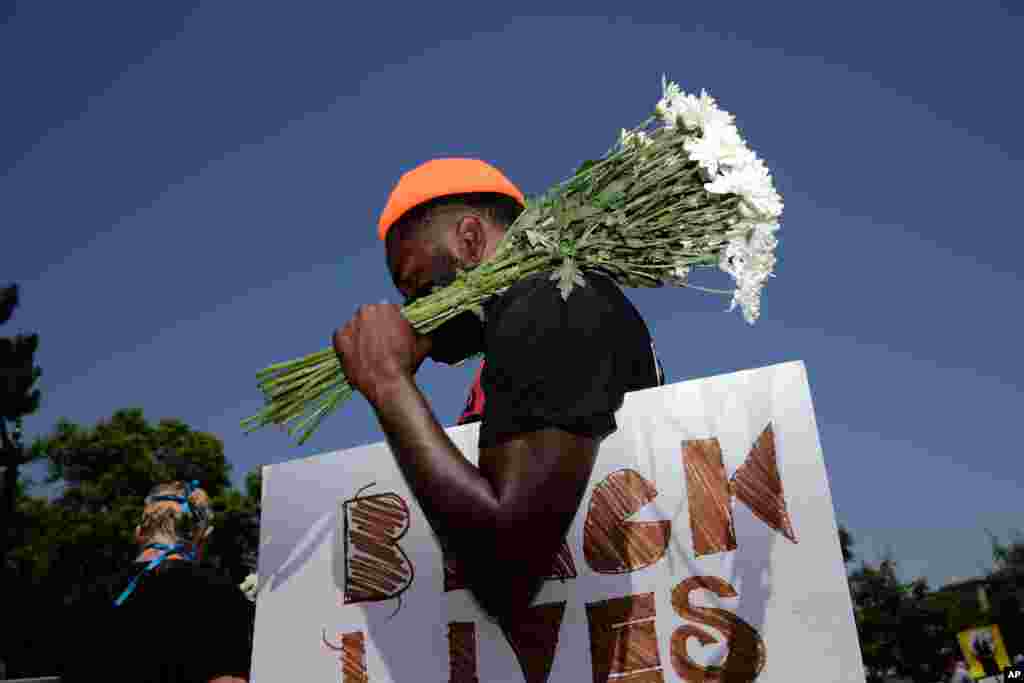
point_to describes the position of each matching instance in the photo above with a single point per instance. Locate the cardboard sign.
(984, 651)
(705, 549)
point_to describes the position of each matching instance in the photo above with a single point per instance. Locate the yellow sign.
(984, 650)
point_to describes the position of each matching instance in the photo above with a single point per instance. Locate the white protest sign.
(704, 549)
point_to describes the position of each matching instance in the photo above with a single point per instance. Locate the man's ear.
(471, 239)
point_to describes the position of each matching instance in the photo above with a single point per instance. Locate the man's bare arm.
(504, 520)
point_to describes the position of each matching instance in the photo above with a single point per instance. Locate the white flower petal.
(638, 137)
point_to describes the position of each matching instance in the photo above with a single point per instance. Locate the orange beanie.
(441, 178)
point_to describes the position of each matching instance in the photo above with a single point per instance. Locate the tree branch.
(6, 444)
(13, 454)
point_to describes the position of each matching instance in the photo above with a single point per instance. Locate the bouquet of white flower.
(250, 587)
(682, 190)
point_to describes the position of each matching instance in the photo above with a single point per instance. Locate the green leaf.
(562, 214)
(586, 166)
(567, 248)
(529, 217)
(618, 186)
(568, 275)
(538, 240)
(614, 195)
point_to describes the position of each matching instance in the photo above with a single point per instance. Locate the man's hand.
(377, 347)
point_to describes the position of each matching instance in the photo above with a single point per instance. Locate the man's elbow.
(502, 605)
(505, 594)
(505, 570)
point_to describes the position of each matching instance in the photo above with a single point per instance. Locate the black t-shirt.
(182, 623)
(557, 363)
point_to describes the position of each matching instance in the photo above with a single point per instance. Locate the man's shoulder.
(537, 292)
(543, 281)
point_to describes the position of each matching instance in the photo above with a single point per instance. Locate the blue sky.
(192, 191)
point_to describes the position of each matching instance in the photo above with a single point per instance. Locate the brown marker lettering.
(611, 545)
(562, 569)
(462, 652)
(353, 656)
(746, 657)
(623, 641)
(376, 567)
(757, 484)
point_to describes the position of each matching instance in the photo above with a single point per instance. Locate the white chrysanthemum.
(669, 92)
(750, 261)
(694, 112)
(249, 587)
(668, 88)
(753, 183)
(637, 137)
(719, 148)
(704, 112)
(673, 160)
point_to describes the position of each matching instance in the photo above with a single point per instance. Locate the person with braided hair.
(165, 617)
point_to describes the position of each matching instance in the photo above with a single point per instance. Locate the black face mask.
(461, 337)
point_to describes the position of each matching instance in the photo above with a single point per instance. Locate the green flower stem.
(299, 375)
(313, 357)
(313, 375)
(303, 393)
(316, 417)
(706, 289)
(295, 401)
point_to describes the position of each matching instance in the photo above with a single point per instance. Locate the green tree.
(901, 627)
(18, 399)
(846, 544)
(107, 470)
(235, 542)
(103, 473)
(1005, 585)
(254, 485)
(1007, 558)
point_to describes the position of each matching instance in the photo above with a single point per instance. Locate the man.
(555, 374)
(165, 617)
